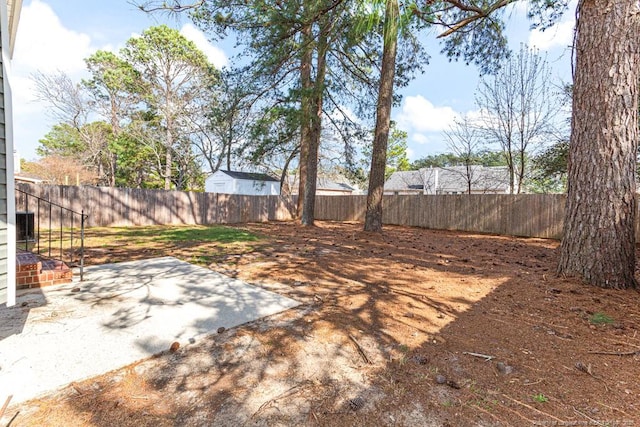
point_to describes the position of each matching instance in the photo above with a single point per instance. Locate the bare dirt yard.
(412, 327)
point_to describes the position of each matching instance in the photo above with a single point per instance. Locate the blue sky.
(59, 34)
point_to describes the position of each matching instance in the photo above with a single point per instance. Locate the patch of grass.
(216, 233)
(197, 244)
(540, 398)
(201, 260)
(600, 319)
(144, 236)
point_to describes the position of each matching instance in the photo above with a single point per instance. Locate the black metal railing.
(50, 230)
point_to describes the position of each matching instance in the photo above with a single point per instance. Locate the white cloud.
(520, 7)
(419, 138)
(411, 154)
(478, 117)
(43, 43)
(22, 90)
(560, 35)
(214, 53)
(420, 115)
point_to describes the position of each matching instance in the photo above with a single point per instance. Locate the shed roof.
(250, 176)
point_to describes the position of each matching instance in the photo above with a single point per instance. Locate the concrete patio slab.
(122, 313)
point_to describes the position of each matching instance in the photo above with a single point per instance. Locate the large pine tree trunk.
(373, 217)
(309, 203)
(599, 232)
(305, 114)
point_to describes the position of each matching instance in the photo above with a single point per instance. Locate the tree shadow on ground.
(392, 331)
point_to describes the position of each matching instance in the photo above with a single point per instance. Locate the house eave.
(14, 7)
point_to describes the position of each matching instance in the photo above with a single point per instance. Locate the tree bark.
(284, 182)
(309, 203)
(115, 130)
(168, 157)
(229, 141)
(373, 217)
(305, 114)
(599, 229)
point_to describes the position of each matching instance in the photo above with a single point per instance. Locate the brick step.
(34, 272)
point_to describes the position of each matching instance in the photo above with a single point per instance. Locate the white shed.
(247, 183)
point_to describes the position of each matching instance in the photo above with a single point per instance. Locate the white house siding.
(256, 188)
(222, 183)
(7, 187)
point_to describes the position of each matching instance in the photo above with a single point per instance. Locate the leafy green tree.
(444, 160)
(435, 160)
(491, 158)
(274, 140)
(397, 159)
(136, 162)
(62, 140)
(550, 169)
(155, 90)
(114, 86)
(175, 82)
(89, 145)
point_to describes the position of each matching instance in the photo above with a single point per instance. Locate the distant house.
(29, 179)
(451, 180)
(405, 182)
(246, 183)
(327, 186)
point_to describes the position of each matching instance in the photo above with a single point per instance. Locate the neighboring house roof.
(404, 181)
(327, 184)
(456, 179)
(250, 176)
(26, 177)
(450, 180)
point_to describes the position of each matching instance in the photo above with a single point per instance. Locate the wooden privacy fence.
(533, 215)
(108, 206)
